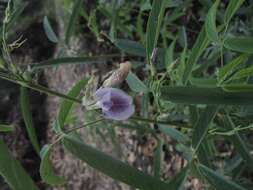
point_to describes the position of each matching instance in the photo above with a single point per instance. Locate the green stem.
(59, 137)
(39, 88)
(146, 120)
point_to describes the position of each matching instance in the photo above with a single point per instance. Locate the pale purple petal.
(115, 103)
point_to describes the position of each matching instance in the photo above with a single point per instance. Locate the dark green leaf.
(12, 171)
(210, 24)
(240, 44)
(218, 181)
(49, 30)
(114, 168)
(46, 169)
(27, 115)
(131, 47)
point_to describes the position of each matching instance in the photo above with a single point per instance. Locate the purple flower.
(115, 103)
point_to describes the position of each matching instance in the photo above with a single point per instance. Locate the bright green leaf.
(153, 26)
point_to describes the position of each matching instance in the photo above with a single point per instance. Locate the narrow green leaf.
(135, 83)
(66, 106)
(233, 6)
(210, 24)
(72, 20)
(131, 47)
(218, 181)
(198, 48)
(240, 44)
(112, 167)
(227, 70)
(247, 72)
(201, 126)
(6, 128)
(49, 30)
(158, 157)
(153, 26)
(46, 169)
(72, 60)
(173, 133)
(12, 171)
(209, 96)
(27, 115)
(238, 88)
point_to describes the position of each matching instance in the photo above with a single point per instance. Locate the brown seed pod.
(119, 75)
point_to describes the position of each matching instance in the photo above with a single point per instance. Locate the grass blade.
(46, 169)
(71, 60)
(208, 96)
(72, 20)
(153, 26)
(210, 24)
(27, 115)
(114, 168)
(217, 180)
(240, 44)
(12, 172)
